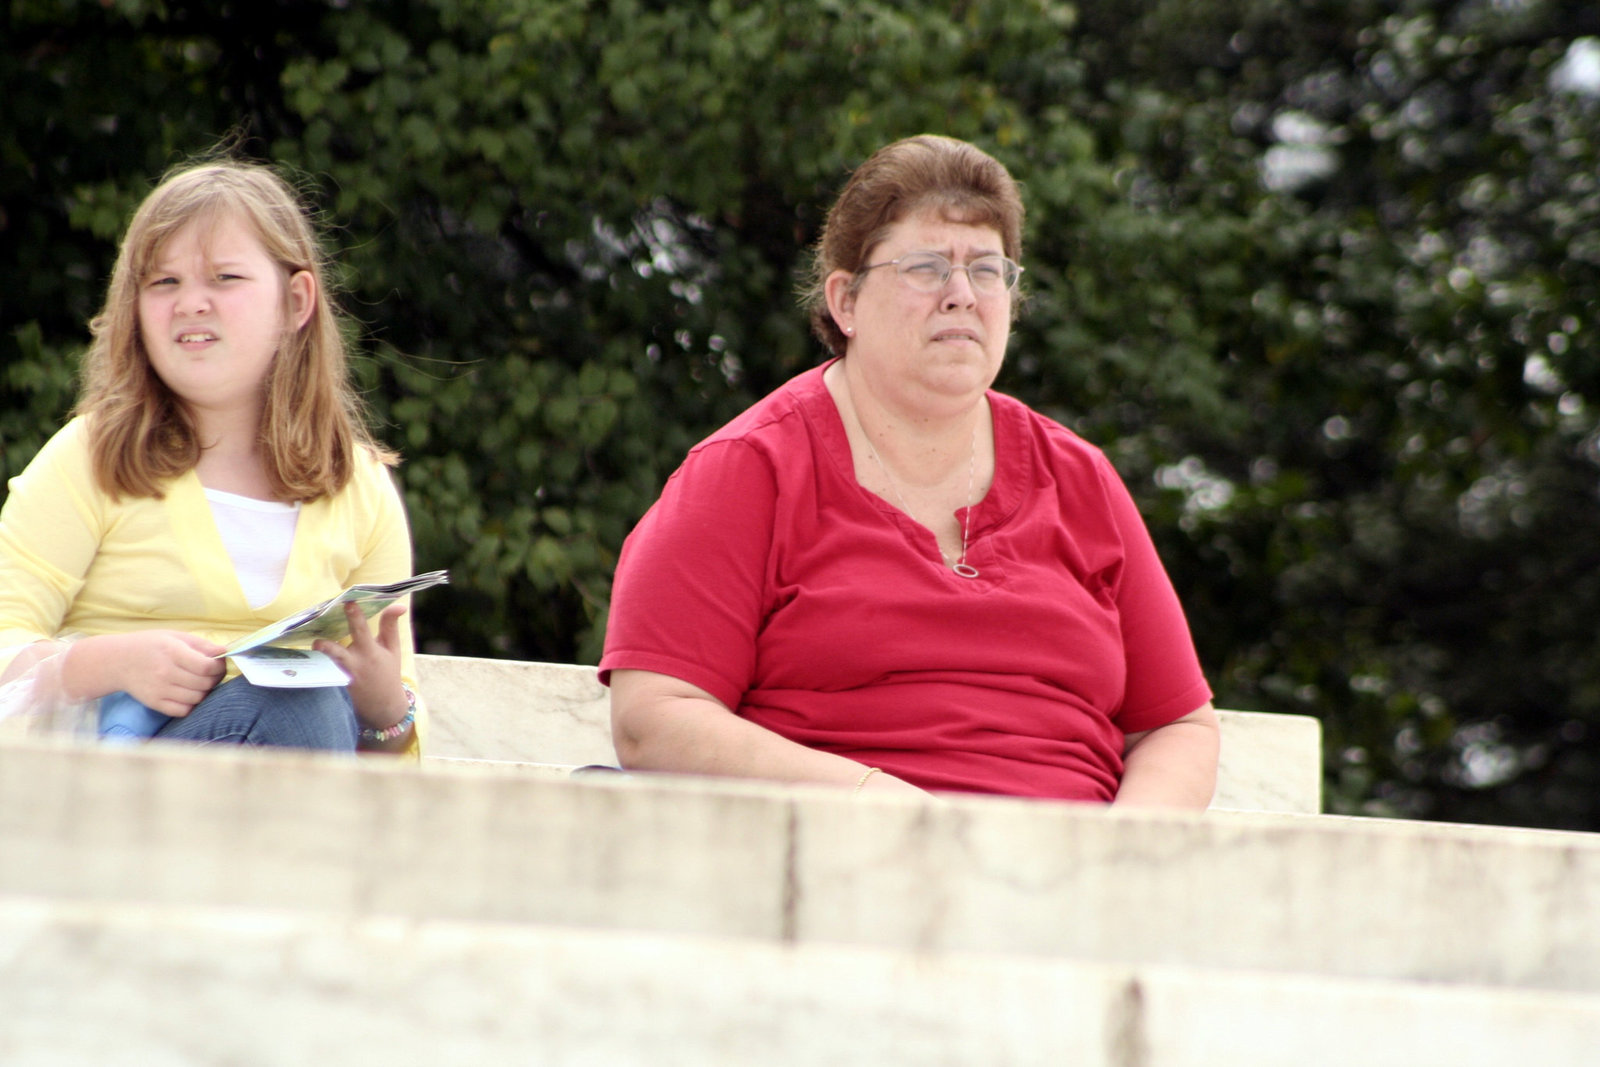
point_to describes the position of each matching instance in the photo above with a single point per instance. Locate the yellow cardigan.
(76, 563)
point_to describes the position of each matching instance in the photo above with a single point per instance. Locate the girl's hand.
(165, 670)
(373, 664)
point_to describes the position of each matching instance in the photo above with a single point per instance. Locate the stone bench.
(122, 983)
(554, 716)
(1320, 896)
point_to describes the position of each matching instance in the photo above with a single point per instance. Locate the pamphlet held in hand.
(273, 656)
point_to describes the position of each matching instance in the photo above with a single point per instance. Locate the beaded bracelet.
(868, 773)
(389, 733)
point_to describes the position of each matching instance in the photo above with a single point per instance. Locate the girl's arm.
(165, 670)
(373, 664)
(380, 655)
(51, 530)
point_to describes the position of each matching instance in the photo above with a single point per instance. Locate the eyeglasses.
(929, 272)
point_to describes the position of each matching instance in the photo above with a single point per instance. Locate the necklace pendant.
(965, 569)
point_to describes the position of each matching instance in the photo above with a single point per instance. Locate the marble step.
(189, 985)
(1315, 895)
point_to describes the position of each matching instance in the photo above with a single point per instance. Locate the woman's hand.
(373, 664)
(165, 670)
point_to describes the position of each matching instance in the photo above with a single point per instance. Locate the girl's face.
(212, 315)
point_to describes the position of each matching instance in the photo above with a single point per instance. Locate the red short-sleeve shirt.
(769, 577)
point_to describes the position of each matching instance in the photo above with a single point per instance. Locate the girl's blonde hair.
(140, 435)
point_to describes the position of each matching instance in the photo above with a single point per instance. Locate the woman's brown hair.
(139, 432)
(921, 173)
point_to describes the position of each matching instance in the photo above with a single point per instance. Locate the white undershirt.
(258, 535)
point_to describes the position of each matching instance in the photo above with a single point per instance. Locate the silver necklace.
(960, 566)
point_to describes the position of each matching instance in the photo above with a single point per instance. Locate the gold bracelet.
(868, 773)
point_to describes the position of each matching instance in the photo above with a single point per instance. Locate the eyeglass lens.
(929, 271)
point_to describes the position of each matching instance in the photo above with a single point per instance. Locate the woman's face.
(929, 351)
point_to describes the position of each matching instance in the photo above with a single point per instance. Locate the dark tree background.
(1321, 276)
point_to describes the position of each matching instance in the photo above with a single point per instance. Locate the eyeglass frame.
(950, 269)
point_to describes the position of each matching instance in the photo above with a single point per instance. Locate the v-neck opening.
(1012, 460)
(1012, 456)
(195, 529)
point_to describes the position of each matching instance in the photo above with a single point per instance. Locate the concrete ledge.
(1311, 894)
(492, 766)
(515, 710)
(83, 984)
(1269, 763)
(173, 824)
(560, 714)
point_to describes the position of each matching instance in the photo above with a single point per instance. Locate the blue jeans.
(239, 713)
(123, 720)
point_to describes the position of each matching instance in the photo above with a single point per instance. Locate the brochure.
(290, 668)
(272, 656)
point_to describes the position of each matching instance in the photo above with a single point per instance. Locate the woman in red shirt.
(889, 577)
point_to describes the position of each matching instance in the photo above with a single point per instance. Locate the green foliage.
(596, 213)
(1409, 524)
(1357, 406)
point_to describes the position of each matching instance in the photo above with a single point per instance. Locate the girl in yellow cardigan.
(216, 476)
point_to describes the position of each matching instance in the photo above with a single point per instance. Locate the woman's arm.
(1172, 766)
(661, 723)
